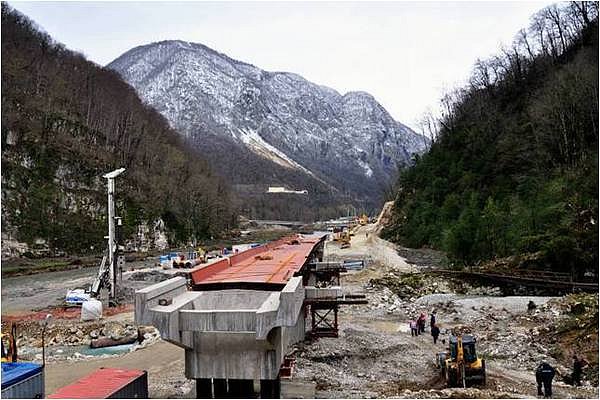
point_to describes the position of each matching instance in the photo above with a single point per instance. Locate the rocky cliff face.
(241, 116)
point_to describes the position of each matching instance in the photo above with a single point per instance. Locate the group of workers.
(544, 374)
(417, 326)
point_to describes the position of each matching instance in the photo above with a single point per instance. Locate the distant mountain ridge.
(240, 116)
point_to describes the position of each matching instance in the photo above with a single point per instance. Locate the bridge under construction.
(238, 318)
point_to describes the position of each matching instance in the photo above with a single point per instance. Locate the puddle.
(69, 351)
(111, 350)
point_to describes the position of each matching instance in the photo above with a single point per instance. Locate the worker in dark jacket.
(435, 332)
(578, 364)
(432, 321)
(544, 375)
(421, 322)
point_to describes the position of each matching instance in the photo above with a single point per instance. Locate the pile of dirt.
(153, 276)
(362, 363)
(424, 258)
(414, 285)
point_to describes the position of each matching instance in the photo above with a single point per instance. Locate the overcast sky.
(406, 54)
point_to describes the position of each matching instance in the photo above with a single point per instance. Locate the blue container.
(22, 381)
(164, 259)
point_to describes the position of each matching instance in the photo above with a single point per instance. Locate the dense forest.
(66, 122)
(514, 166)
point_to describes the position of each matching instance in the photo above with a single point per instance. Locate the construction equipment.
(9, 345)
(344, 239)
(22, 380)
(460, 366)
(78, 296)
(363, 219)
(111, 261)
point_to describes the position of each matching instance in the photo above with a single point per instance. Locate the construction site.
(320, 315)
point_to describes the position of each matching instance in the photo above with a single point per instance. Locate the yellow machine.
(343, 237)
(461, 366)
(363, 219)
(9, 345)
(345, 240)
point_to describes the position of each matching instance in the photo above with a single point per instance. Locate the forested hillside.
(260, 127)
(66, 122)
(514, 168)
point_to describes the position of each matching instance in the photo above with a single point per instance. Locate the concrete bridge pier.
(204, 389)
(220, 388)
(240, 320)
(240, 388)
(269, 388)
(236, 388)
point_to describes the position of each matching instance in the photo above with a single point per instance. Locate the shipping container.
(107, 383)
(22, 381)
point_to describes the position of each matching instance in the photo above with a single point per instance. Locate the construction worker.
(435, 332)
(578, 364)
(421, 323)
(543, 376)
(413, 328)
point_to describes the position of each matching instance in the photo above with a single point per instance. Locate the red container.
(107, 383)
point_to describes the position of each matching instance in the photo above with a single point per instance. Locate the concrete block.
(218, 320)
(148, 297)
(331, 292)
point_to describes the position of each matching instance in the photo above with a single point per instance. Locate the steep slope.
(66, 122)
(235, 112)
(515, 168)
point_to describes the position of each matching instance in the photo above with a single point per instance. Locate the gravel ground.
(375, 356)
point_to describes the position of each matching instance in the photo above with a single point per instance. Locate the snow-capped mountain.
(235, 112)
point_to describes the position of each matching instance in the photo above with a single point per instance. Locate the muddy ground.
(375, 356)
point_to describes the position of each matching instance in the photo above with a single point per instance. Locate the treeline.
(66, 122)
(514, 166)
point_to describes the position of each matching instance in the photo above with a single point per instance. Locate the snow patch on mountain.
(368, 171)
(264, 149)
(349, 141)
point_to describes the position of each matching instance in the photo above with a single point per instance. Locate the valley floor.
(375, 355)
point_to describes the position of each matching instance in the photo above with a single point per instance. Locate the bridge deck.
(274, 263)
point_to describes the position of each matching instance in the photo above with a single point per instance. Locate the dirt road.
(367, 245)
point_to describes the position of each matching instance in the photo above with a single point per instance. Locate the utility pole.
(112, 242)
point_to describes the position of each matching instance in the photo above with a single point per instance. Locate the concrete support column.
(203, 389)
(240, 388)
(220, 388)
(269, 389)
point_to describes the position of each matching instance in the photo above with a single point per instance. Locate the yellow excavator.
(460, 365)
(363, 219)
(9, 345)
